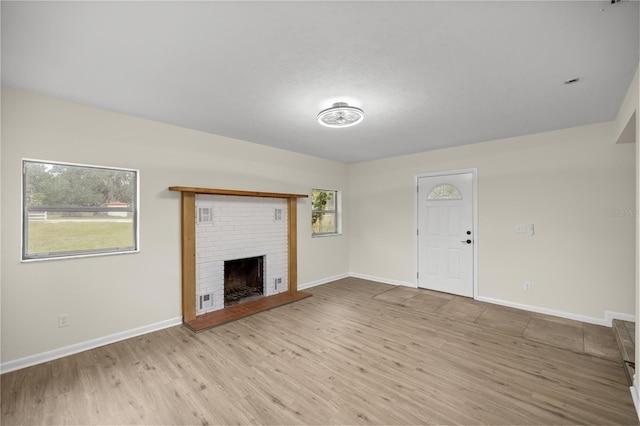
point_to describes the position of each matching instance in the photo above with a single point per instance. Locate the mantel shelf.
(238, 193)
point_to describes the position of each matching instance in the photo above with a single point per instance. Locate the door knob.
(466, 241)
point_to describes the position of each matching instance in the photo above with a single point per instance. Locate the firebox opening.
(243, 280)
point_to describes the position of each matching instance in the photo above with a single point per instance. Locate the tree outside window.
(324, 215)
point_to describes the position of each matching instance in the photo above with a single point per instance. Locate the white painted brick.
(243, 227)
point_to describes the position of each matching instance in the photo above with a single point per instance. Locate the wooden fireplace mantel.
(188, 245)
(235, 192)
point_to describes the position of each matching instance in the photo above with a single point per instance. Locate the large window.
(324, 215)
(77, 210)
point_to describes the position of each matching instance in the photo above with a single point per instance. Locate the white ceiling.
(427, 74)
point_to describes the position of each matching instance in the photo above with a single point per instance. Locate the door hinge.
(417, 274)
(417, 232)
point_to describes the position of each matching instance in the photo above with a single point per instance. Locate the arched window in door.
(444, 191)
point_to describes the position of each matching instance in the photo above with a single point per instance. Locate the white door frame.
(474, 174)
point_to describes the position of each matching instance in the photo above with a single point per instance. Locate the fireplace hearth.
(243, 280)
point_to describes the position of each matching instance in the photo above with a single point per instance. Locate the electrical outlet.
(63, 320)
(527, 286)
(521, 229)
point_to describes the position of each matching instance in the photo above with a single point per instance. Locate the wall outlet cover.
(63, 320)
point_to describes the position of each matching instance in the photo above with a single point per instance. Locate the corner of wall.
(624, 124)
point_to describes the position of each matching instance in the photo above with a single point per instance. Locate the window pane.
(323, 200)
(74, 210)
(326, 224)
(64, 235)
(324, 214)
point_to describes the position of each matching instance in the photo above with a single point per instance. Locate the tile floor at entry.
(580, 337)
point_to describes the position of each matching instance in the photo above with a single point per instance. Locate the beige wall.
(572, 184)
(111, 294)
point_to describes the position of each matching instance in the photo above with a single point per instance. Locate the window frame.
(72, 254)
(336, 212)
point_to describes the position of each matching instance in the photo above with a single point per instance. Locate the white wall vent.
(205, 214)
(205, 302)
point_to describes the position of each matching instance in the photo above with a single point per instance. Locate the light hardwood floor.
(357, 352)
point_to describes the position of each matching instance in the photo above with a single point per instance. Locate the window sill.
(78, 256)
(337, 234)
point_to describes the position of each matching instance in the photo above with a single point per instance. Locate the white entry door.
(445, 233)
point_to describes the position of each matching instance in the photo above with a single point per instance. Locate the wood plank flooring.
(348, 355)
(625, 334)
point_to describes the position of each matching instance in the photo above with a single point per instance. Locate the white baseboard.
(321, 281)
(354, 275)
(383, 280)
(609, 316)
(28, 361)
(634, 397)
(606, 321)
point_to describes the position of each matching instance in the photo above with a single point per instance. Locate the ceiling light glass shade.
(340, 115)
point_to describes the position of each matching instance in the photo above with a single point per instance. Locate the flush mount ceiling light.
(340, 115)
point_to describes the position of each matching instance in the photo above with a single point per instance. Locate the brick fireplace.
(231, 230)
(219, 225)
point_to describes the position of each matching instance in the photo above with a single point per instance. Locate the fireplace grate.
(240, 293)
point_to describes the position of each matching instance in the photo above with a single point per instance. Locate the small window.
(444, 191)
(324, 215)
(77, 210)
